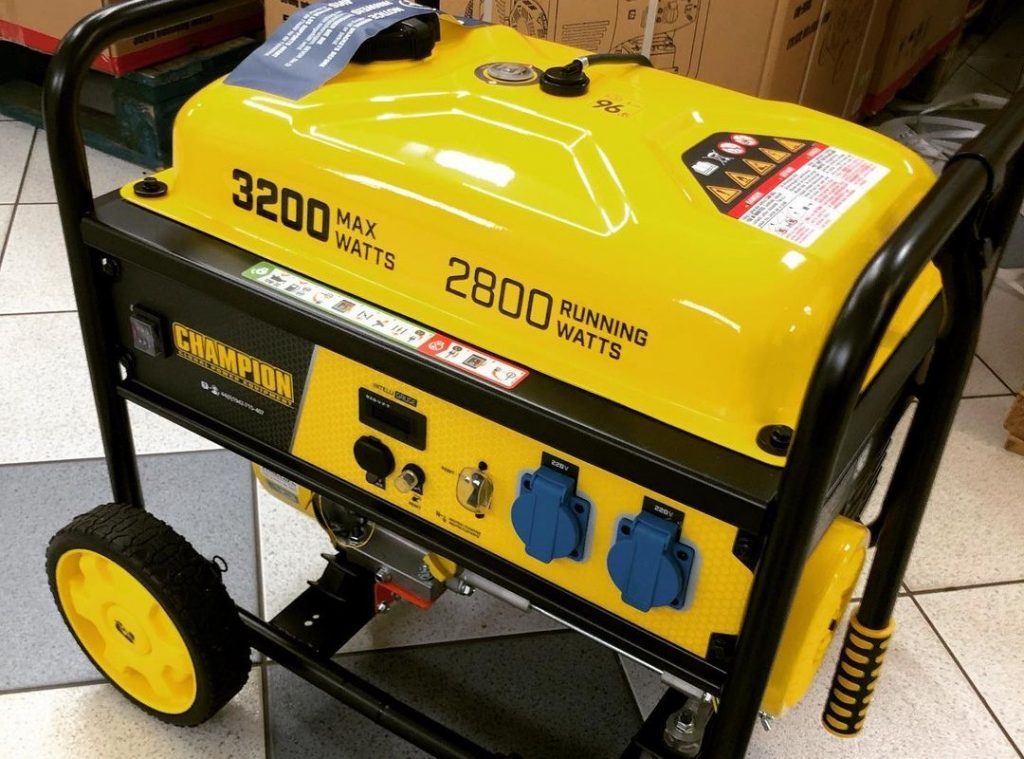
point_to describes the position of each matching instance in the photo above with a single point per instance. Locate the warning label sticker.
(414, 336)
(792, 188)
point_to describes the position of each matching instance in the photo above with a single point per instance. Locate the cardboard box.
(844, 54)
(277, 11)
(1015, 426)
(754, 46)
(40, 24)
(761, 47)
(916, 32)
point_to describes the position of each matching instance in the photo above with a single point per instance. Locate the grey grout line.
(39, 313)
(100, 457)
(1003, 92)
(975, 586)
(38, 203)
(984, 396)
(57, 686)
(17, 195)
(1004, 382)
(963, 671)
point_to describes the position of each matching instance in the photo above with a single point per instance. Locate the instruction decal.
(791, 188)
(316, 43)
(390, 326)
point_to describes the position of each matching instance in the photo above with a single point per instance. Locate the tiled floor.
(514, 681)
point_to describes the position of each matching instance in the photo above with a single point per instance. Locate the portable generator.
(504, 316)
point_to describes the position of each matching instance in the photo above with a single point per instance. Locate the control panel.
(660, 564)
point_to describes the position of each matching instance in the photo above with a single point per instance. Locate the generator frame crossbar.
(961, 226)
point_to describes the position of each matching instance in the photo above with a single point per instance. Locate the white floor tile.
(920, 688)
(106, 172)
(291, 544)
(1000, 69)
(6, 213)
(982, 626)
(967, 81)
(48, 412)
(97, 722)
(972, 531)
(34, 274)
(15, 139)
(1002, 334)
(982, 381)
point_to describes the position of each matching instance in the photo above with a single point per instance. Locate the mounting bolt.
(110, 266)
(775, 439)
(383, 608)
(150, 187)
(766, 721)
(424, 573)
(382, 575)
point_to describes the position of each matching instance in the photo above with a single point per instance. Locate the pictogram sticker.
(746, 140)
(776, 155)
(797, 196)
(731, 148)
(387, 325)
(743, 180)
(724, 194)
(761, 167)
(791, 145)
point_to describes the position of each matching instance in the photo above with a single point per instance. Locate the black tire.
(184, 583)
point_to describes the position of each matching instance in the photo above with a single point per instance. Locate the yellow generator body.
(568, 235)
(614, 242)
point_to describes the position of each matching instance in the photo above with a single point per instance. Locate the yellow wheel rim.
(126, 631)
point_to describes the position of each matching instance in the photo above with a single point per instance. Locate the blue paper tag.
(316, 43)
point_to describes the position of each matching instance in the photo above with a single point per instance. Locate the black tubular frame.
(961, 225)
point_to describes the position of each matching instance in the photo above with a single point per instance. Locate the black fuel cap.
(565, 81)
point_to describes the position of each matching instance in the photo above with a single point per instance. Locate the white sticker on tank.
(803, 200)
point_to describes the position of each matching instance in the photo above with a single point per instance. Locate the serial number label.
(574, 322)
(350, 232)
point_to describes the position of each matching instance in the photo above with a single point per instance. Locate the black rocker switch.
(375, 458)
(147, 332)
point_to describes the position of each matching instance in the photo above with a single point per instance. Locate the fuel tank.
(678, 248)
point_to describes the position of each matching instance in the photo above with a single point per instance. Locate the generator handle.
(970, 209)
(61, 91)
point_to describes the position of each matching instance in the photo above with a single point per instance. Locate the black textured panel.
(225, 395)
(547, 696)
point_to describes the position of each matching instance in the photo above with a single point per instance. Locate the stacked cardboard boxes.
(916, 32)
(827, 54)
(40, 26)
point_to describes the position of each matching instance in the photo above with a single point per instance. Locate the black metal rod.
(61, 92)
(914, 475)
(365, 698)
(827, 407)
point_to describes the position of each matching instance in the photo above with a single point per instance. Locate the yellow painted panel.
(329, 426)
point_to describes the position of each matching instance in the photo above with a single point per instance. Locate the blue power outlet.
(549, 517)
(648, 564)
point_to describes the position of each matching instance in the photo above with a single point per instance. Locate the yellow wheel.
(149, 611)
